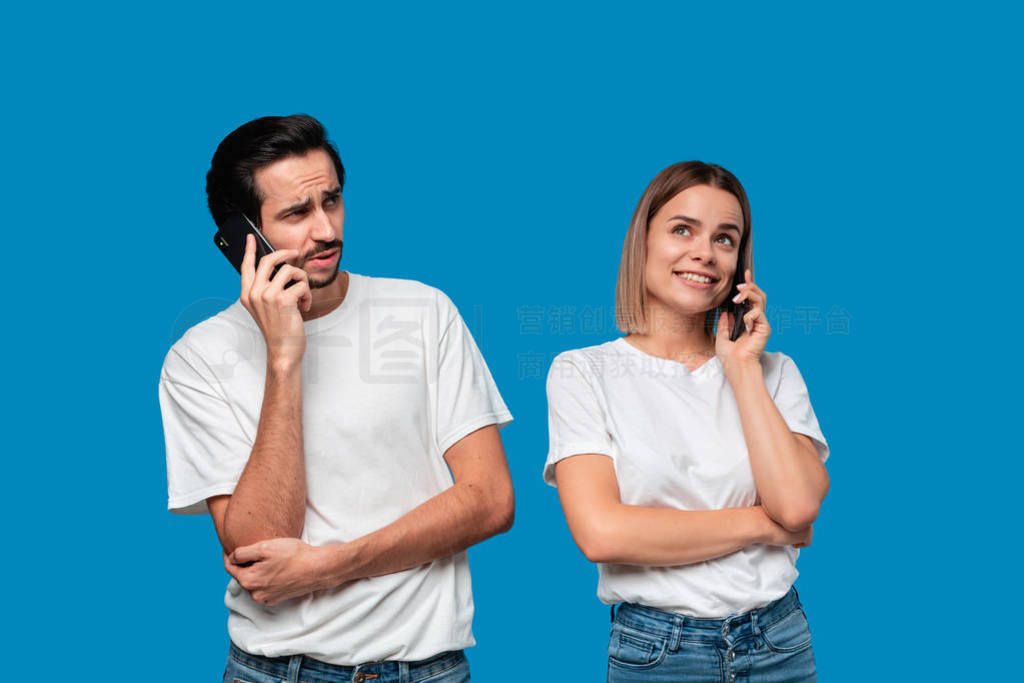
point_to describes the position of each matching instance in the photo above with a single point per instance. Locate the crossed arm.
(790, 478)
(480, 504)
(269, 499)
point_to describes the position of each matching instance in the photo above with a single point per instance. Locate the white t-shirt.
(676, 441)
(390, 380)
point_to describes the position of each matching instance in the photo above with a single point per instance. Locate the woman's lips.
(693, 283)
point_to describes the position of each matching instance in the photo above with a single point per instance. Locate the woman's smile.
(695, 280)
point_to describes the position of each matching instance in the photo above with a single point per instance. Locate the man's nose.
(323, 229)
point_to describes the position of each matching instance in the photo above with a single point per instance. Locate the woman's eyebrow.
(694, 221)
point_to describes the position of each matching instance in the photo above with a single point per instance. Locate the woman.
(689, 466)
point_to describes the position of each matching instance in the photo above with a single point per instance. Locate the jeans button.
(359, 677)
(725, 629)
(732, 656)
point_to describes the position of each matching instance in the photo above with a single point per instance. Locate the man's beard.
(320, 284)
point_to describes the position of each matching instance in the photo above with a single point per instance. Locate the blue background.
(497, 152)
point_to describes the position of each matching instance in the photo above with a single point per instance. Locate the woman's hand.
(775, 534)
(748, 348)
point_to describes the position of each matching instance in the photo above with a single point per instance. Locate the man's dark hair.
(231, 183)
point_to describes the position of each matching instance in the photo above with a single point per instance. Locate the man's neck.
(328, 298)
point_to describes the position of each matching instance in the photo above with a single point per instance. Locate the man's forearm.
(448, 523)
(790, 483)
(481, 503)
(269, 499)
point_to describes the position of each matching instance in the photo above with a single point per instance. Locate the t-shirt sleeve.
(576, 418)
(467, 397)
(794, 403)
(206, 446)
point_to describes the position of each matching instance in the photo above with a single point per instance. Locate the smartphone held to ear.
(230, 239)
(737, 310)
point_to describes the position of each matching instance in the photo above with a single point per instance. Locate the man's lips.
(325, 255)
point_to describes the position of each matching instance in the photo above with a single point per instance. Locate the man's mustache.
(327, 247)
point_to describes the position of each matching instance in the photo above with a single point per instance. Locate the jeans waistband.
(664, 623)
(282, 666)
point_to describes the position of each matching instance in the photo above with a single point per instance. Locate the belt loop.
(294, 665)
(403, 672)
(755, 628)
(677, 633)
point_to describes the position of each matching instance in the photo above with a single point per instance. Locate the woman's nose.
(702, 251)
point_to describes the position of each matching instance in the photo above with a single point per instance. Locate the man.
(317, 424)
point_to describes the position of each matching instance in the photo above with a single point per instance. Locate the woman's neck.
(674, 335)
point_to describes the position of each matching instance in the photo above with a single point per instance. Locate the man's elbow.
(503, 521)
(237, 534)
(231, 542)
(233, 539)
(505, 512)
(500, 511)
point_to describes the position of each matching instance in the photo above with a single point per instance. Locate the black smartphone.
(736, 310)
(230, 239)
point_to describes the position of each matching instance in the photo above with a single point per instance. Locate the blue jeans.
(447, 667)
(768, 644)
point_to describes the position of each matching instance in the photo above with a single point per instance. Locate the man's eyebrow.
(694, 221)
(328, 194)
(294, 207)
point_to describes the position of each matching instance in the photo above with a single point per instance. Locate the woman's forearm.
(791, 480)
(662, 537)
(609, 531)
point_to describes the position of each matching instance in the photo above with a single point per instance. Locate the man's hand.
(278, 569)
(275, 309)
